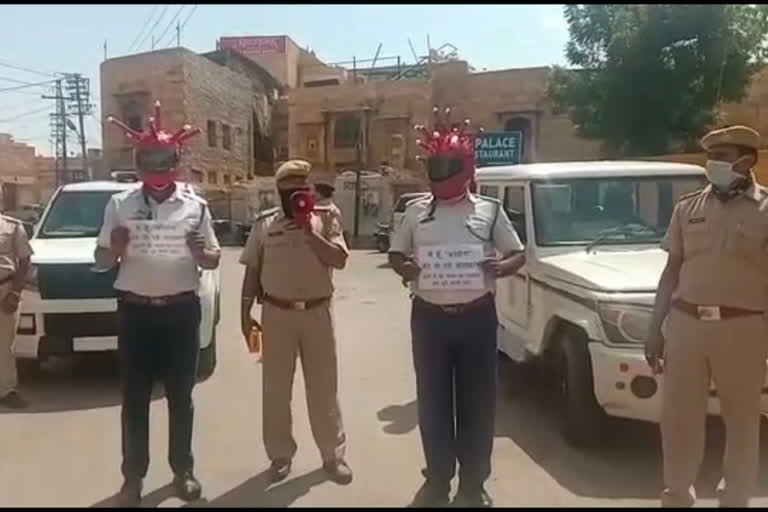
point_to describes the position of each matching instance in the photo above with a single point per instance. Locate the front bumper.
(622, 377)
(62, 327)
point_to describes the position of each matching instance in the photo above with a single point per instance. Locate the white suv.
(582, 303)
(66, 307)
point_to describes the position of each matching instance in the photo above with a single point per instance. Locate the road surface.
(65, 449)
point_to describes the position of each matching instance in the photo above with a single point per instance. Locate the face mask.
(157, 180)
(721, 174)
(285, 199)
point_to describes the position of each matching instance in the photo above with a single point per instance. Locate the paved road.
(65, 450)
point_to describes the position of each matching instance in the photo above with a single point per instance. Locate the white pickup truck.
(68, 308)
(582, 303)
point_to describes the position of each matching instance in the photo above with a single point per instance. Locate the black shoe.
(13, 401)
(130, 494)
(187, 487)
(279, 469)
(338, 471)
(431, 495)
(477, 497)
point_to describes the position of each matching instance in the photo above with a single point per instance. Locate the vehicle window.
(75, 215)
(618, 210)
(514, 205)
(489, 191)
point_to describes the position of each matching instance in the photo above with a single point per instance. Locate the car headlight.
(624, 323)
(30, 283)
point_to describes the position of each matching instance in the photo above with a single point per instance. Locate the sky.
(46, 39)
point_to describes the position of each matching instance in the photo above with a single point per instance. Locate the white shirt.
(473, 220)
(157, 277)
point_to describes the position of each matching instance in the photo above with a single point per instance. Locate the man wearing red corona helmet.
(158, 305)
(451, 247)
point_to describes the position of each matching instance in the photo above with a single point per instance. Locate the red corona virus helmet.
(450, 158)
(156, 149)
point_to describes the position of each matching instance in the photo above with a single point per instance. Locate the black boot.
(279, 470)
(130, 494)
(472, 497)
(432, 494)
(187, 487)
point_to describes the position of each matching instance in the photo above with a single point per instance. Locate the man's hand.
(654, 352)
(492, 267)
(196, 243)
(410, 271)
(247, 324)
(10, 302)
(118, 239)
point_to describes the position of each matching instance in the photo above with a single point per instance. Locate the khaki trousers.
(8, 322)
(310, 335)
(732, 353)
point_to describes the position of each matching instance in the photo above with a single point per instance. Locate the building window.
(347, 131)
(212, 178)
(196, 175)
(227, 179)
(226, 136)
(212, 134)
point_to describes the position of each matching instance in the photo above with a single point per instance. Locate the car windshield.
(75, 215)
(615, 211)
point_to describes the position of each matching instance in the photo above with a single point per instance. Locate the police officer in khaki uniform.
(14, 265)
(289, 271)
(709, 321)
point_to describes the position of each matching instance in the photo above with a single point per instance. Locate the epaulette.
(266, 213)
(12, 219)
(427, 199)
(488, 198)
(691, 194)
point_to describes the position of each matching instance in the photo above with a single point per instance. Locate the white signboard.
(158, 239)
(451, 267)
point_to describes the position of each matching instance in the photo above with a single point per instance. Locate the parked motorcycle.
(382, 237)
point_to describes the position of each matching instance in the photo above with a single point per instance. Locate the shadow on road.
(627, 465)
(81, 382)
(256, 492)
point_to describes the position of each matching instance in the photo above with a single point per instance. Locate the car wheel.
(582, 420)
(207, 361)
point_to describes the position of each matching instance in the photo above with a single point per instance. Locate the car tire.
(582, 420)
(382, 244)
(207, 362)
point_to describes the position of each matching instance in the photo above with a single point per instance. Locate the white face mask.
(721, 174)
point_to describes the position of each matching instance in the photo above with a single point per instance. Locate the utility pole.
(59, 131)
(105, 49)
(78, 94)
(178, 34)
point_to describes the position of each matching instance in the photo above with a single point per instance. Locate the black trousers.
(455, 359)
(158, 343)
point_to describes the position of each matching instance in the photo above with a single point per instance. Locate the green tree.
(647, 76)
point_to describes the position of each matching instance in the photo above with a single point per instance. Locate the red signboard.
(254, 46)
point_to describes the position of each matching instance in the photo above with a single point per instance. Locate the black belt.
(455, 309)
(301, 305)
(165, 300)
(713, 312)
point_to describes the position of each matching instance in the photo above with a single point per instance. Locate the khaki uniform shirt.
(724, 246)
(14, 245)
(290, 270)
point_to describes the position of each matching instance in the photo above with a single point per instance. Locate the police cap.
(733, 135)
(291, 168)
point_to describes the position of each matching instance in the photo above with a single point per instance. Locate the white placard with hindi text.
(157, 239)
(451, 267)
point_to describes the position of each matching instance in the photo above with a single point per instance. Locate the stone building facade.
(226, 96)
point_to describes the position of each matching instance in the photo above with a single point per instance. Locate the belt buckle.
(300, 306)
(708, 313)
(158, 301)
(453, 309)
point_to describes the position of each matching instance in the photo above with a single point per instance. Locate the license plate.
(94, 344)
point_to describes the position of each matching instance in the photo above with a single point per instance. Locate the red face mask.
(157, 180)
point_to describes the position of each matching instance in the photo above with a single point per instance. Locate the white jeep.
(582, 303)
(66, 307)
